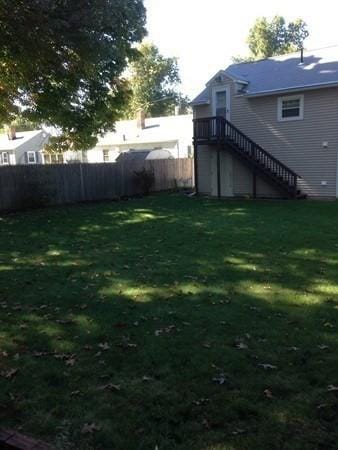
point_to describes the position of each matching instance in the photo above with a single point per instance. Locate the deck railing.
(219, 130)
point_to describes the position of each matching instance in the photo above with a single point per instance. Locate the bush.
(36, 194)
(145, 180)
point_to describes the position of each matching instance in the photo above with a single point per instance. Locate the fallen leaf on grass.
(219, 379)
(104, 346)
(125, 343)
(322, 405)
(62, 356)
(70, 362)
(323, 347)
(267, 393)
(293, 349)
(146, 378)
(90, 428)
(238, 431)
(224, 379)
(65, 321)
(9, 373)
(241, 346)
(110, 387)
(206, 424)
(165, 330)
(87, 347)
(41, 354)
(74, 393)
(332, 388)
(201, 401)
(267, 366)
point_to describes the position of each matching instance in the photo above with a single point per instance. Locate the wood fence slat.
(28, 186)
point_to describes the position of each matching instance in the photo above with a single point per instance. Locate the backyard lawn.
(171, 323)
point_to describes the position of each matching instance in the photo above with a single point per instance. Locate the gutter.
(292, 89)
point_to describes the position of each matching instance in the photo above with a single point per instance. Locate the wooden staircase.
(221, 132)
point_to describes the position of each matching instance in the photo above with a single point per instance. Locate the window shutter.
(26, 157)
(37, 160)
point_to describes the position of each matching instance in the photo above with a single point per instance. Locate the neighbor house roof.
(284, 73)
(157, 129)
(21, 138)
(143, 155)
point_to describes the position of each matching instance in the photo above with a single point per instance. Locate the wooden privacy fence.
(39, 185)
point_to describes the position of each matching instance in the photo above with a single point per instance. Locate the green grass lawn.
(171, 322)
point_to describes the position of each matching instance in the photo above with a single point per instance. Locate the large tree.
(275, 37)
(154, 81)
(61, 63)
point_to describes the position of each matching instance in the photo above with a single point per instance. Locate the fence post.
(82, 183)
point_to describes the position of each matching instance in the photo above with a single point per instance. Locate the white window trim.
(280, 106)
(2, 162)
(220, 89)
(31, 162)
(107, 151)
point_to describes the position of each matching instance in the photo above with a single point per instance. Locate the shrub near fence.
(41, 185)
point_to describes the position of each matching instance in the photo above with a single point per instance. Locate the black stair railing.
(219, 130)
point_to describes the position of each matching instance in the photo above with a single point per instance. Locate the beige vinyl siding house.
(298, 126)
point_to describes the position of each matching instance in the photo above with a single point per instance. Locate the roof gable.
(21, 139)
(283, 73)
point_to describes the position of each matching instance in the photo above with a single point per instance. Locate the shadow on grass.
(154, 319)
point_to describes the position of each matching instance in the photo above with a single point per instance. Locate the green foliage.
(61, 63)
(23, 124)
(153, 83)
(276, 37)
(237, 59)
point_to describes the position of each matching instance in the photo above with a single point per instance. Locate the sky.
(205, 34)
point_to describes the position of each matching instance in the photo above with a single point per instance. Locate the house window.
(290, 108)
(221, 103)
(4, 159)
(31, 158)
(106, 156)
(53, 158)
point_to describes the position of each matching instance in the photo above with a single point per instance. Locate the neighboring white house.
(22, 147)
(172, 133)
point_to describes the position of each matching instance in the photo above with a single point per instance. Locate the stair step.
(263, 165)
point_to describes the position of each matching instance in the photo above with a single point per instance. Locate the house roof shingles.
(21, 138)
(157, 129)
(285, 73)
